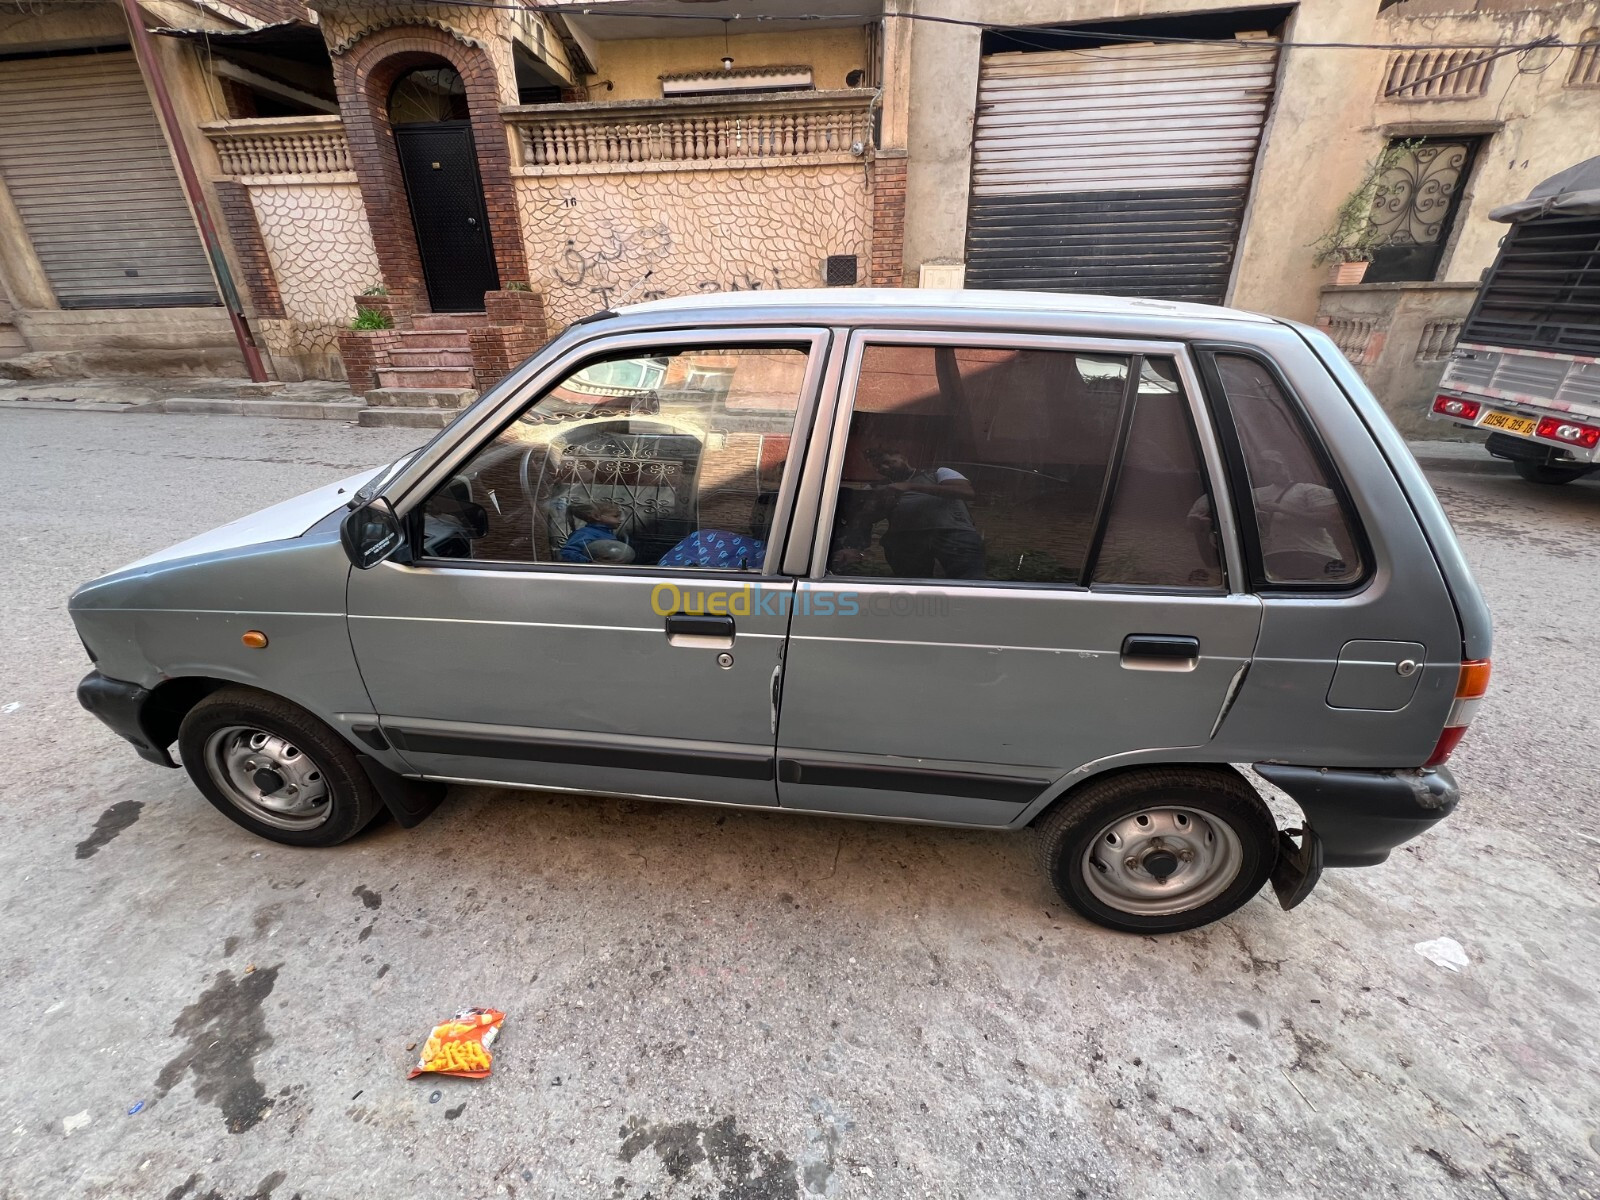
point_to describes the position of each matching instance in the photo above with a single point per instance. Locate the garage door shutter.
(1122, 169)
(88, 169)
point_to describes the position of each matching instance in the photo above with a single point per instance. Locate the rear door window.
(1022, 465)
(1304, 529)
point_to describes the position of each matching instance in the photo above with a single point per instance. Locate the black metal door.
(440, 166)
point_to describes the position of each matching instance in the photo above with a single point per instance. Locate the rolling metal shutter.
(1122, 169)
(88, 169)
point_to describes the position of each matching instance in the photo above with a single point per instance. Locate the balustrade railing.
(700, 131)
(281, 146)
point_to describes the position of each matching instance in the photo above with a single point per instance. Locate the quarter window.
(1306, 535)
(668, 459)
(996, 464)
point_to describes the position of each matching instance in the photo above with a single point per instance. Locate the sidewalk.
(314, 399)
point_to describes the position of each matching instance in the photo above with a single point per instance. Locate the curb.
(1485, 465)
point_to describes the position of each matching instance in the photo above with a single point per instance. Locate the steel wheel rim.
(245, 762)
(1123, 865)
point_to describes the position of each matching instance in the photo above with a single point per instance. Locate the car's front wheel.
(272, 767)
(1159, 850)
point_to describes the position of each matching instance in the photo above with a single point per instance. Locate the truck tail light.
(1570, 433)
(1471, 687)
(1461, 410)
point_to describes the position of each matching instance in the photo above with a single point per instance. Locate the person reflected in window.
(602, 521)
(1296, 520)
(929, 526)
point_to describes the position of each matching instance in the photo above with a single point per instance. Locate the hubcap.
(267, 777)
(1162, 861)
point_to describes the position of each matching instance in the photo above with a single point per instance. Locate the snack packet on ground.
(460, 1046)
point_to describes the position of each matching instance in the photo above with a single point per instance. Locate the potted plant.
(397, 306)
(365, 345)
(1349, 242)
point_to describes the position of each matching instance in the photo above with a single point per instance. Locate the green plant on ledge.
(371, 318)
(376, 289)
(516, 285)
(1353, 237)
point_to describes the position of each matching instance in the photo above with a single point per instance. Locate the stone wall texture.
(602, 239)
(320, 247)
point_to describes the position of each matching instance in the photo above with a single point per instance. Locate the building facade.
(532, 164)
(1185, 149)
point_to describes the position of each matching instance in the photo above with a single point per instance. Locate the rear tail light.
(1461, 410)
(1570, 433)
(1471, 687)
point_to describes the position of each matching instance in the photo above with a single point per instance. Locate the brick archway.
(365, 73)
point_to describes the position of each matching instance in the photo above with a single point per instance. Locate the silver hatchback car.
(996, 560)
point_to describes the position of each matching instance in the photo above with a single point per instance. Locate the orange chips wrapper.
(460, 1046)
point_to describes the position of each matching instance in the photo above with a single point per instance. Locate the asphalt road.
(710, 1003)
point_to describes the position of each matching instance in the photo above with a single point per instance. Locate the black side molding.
(1008, 789)
(1360, 816)
(757, 764)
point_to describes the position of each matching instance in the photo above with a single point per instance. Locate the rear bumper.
(1360, 816)
(125, 708)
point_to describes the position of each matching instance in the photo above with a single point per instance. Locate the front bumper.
(125, 708)
(1359, 816)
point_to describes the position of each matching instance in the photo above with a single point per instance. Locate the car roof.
(943, 303)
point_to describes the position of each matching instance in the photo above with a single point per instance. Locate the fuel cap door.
(1376, 676)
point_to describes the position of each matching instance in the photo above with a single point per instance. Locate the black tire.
(1538, 472)
(1219, 795)
(351, 803)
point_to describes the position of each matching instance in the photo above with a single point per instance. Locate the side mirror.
(371, 534)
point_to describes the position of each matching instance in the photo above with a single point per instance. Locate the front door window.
(667, 459)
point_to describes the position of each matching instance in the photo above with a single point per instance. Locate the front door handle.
(1160, 652)
(710, 633)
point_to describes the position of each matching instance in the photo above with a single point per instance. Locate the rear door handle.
(710, 633)
(1160, 652)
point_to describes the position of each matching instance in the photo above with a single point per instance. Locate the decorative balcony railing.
(703, 131)
(281, 145)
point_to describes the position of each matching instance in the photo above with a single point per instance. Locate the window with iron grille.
(1415, 207)
(1543, 292)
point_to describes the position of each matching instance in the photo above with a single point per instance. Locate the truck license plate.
(1510, 422)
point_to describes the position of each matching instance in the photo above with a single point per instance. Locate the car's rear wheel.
(1538, 472)
(1159, 850)
(275, 769)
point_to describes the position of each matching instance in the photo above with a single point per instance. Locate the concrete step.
(410, 418)
(435, 339)
(424, 377)
(432, 321)
(429, 356)
(450, 398)
(304, 410)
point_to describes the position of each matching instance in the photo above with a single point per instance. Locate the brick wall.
(499, 349)
(888, 223)
(514, 308)
(239, 215)
(363, 352)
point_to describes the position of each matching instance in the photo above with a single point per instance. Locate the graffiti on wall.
(619, 239)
